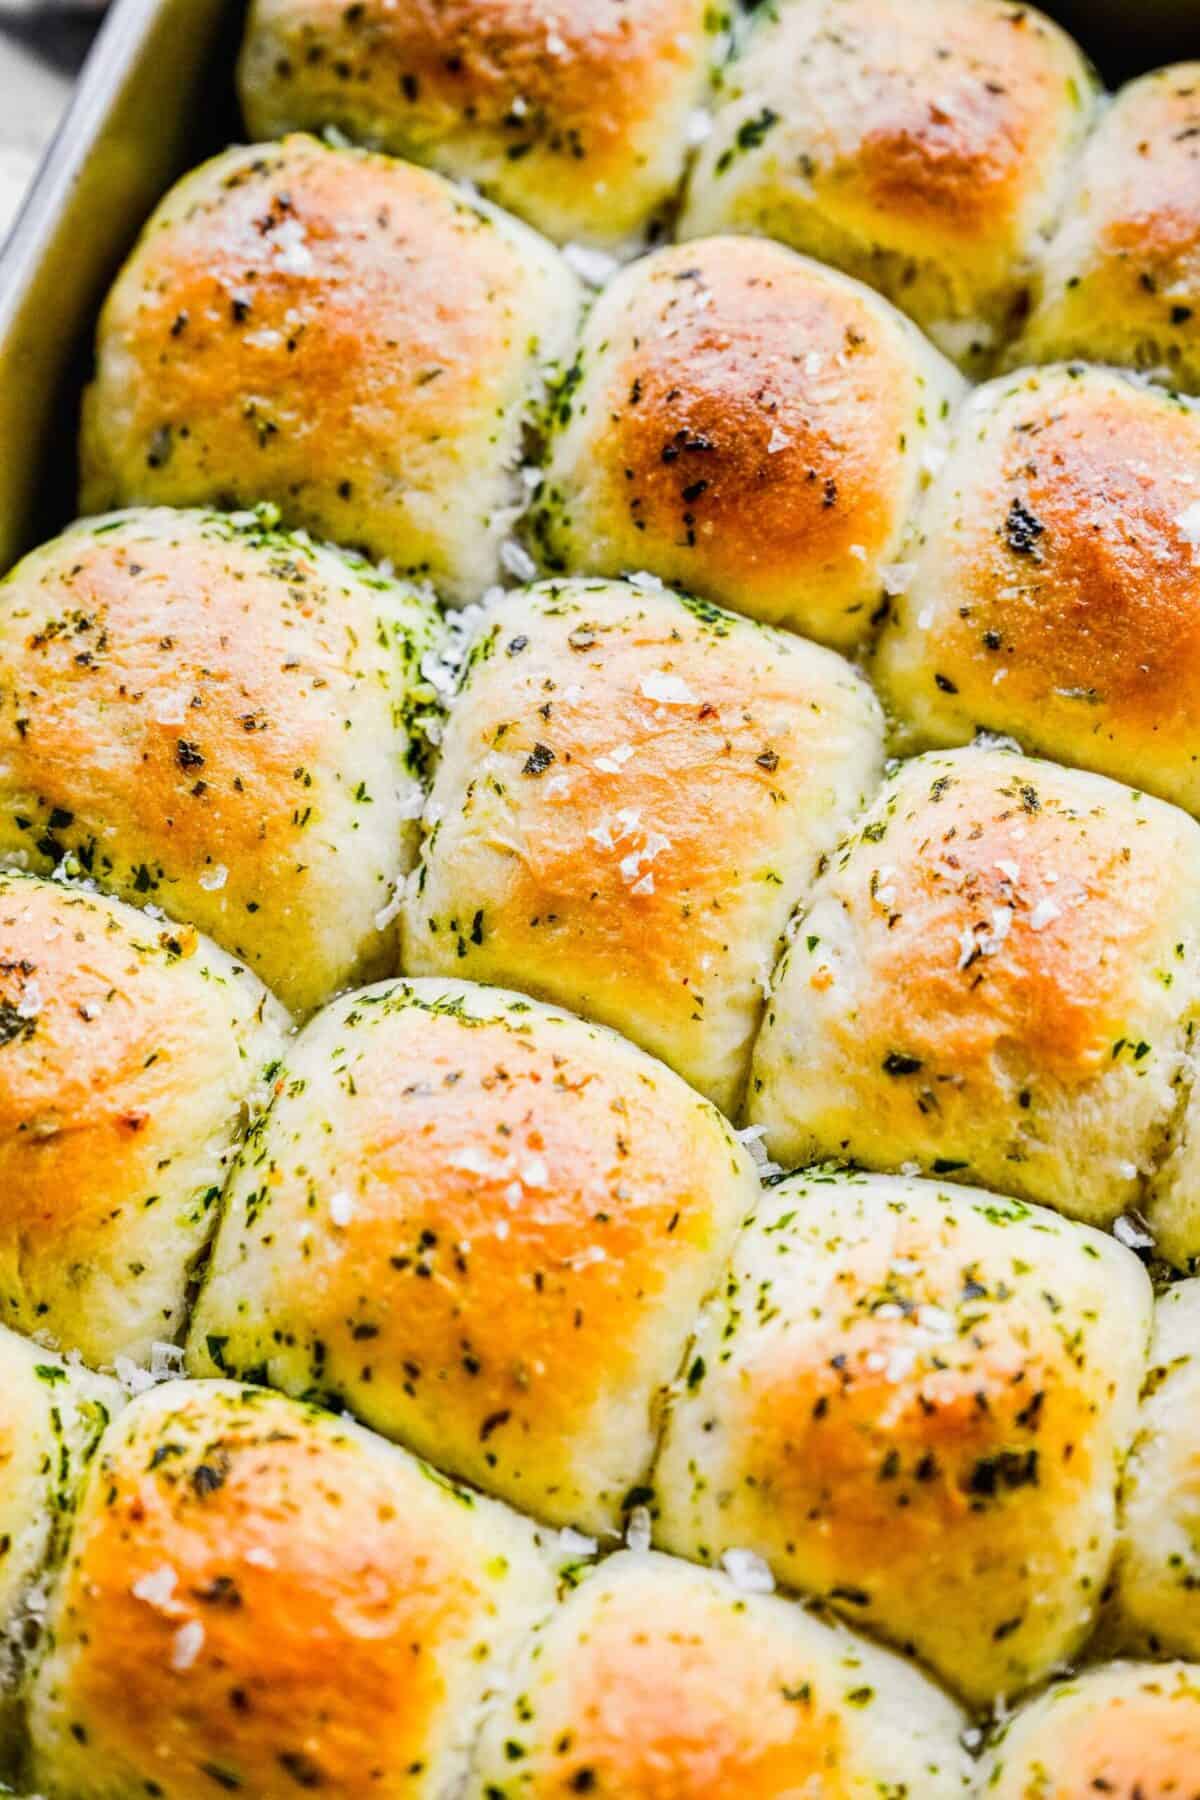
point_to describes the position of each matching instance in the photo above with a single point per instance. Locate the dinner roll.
(261, 1598)
(751, 426)
(51, 1418)
(927, 155)
(995, 979)
(913, 1401)
(486, 1227)
(1055, 594)
(246, 703)
(1130, 1732)
(1121, 279)
(656, 1679)
(575, 115)
(1158, 1571)
(349, 337)
(633, 792)
(129, 1049)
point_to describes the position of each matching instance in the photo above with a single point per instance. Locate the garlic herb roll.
(750, 426)
(995, 980)
(261, 1598)
(346, 336)
(574, 115)
(657, 1679)
(1120, 282)
(129, 1049)
(1055, 591)
(913, 1401)
(1130, 1731)
(51, 1417)
(925, 153)
(632, 794)
(250, 706)
(485, 1226)
(1158, 1573)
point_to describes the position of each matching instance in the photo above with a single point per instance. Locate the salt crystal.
(637, 1530)
(896, 578)
(341, 1209)
(593, 267)
(214, 879)
(748, 1572)
(157, 1588)
(1129, 1232)
(516, 561)
(668, 690)
(1043, 914)
(292, 253)
(187, 1645)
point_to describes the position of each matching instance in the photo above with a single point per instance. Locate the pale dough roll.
(914, 1402)
(261, 1598)
(575, 115)
(221, 719)
(347, 336)
(1120, 282)
(655, 1680)
(633, 792)
(927, 154)
(750, 426)
(130, 1050)
(485, 1226)
(995, 980)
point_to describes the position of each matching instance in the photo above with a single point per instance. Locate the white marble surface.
(38, 58)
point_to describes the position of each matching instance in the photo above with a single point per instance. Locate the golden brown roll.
(51, 1418)
(246, 702)
(1120, 281)
(1055, 591)
(656, 1680)
(347, 336)
(486, 1227)
(633, 792)
(1158, 1571)
(129, 1050)
(261, 1598)
(750, 426)
(913, 1401)
(574, 115)
(994, 980)
(1130, 1731)
(926, 153)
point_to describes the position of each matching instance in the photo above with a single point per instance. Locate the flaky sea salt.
(1132, 1233)
(637, 1531)
(186, 1645)
(1043, 914)
(593, 267)
(748, 1572)
(668, 690)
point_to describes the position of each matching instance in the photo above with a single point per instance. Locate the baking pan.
(156, 95)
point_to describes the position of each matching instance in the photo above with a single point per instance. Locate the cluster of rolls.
(601, 1192)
